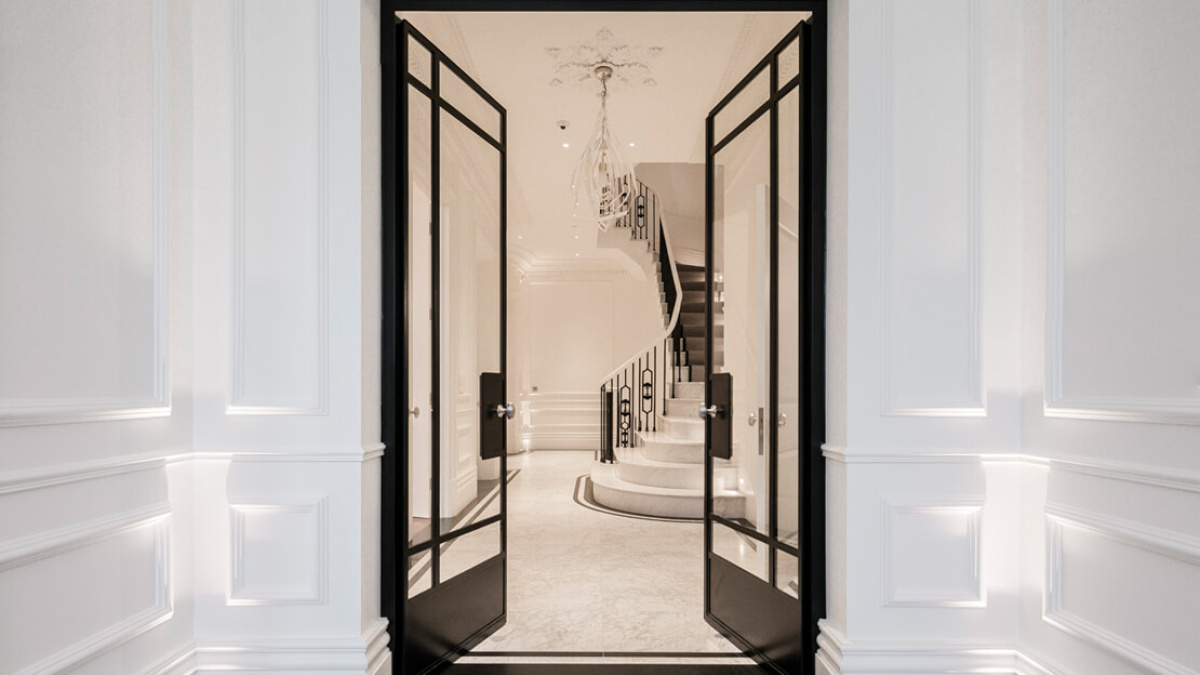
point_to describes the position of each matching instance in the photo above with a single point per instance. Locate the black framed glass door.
(448, 558)
(765, 268)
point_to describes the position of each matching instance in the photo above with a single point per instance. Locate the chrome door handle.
(709, 411)
(505, 411)
(416, 412)
(782, 419)
(752, 420)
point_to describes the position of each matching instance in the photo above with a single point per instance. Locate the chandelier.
(603, 183)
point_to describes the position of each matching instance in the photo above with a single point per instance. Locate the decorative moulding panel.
(931, 551)
(1152, 540)
(1150, 410)
(964, 398)
(28, 412)
(276, 535)
(63, 541)
(280, 304)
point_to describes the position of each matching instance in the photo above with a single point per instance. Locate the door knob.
(416, 412)
(709, 411)
(505, 411)
(782, 419)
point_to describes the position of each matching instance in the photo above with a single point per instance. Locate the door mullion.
(435, 237)
(773, 330)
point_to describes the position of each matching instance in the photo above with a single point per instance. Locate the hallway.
(582, 581)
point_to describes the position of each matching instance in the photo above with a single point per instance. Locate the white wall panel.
(281, 208)
(1120, 585)
(1121, 172)
(278, 551)
(84, 224)
(84, 588)
(932, 551)
(931, 210)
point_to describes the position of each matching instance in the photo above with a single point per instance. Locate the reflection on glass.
(420, 329)
(787, 573)
(787, 426)
(741, 254)
(419, 61)
(789, 63)
(420, 573)
(741, 550)
(467, 101)
(466, 551)
(469, 277)
(745, 102)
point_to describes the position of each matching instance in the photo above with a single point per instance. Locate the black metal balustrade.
(633, 396)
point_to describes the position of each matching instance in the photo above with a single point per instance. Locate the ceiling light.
(520, 237)
(566, 145)
(576, 236)
(576, 255)
(631, 145)
(603, 182)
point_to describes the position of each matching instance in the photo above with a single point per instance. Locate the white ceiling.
(703, 55)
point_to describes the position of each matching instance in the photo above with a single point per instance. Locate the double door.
(445, 500)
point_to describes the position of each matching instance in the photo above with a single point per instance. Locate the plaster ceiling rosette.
(575, 64)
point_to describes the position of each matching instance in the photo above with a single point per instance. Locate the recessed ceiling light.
(566, 145)
(631, 145)
(520, 237)
(576, 236)
(576, 255)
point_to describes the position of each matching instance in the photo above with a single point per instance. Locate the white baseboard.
(367, 655)
(838, 656)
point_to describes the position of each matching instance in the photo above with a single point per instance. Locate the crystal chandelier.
(603, 183)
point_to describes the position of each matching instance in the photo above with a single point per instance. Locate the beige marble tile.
(581, 580)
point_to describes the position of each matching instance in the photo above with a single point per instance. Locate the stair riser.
(684, 407)
(678, 476)
(689, 390)
(667, 506)
(678, 453)
(682, 427)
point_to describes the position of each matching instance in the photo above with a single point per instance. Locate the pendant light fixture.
(603, 183)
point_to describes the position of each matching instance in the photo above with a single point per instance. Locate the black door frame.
(393, 416)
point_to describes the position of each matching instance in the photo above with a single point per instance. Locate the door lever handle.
(505, 411)
(709, 411)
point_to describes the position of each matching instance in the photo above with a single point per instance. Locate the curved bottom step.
(611, 491)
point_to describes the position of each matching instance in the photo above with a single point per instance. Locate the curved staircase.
(652, 454)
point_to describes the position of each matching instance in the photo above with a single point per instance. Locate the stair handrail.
(648, 356)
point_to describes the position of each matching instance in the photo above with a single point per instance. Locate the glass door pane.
(470, 302)
(789, 329)
(741, 275)
(419, 296)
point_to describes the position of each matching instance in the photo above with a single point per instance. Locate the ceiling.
(702, 56)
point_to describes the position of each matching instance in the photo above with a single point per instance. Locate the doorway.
(422, 508)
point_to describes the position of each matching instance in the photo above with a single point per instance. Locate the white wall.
(189, 387)
(578, 323)
(287, 452)
(1012, 397)
(95, 336)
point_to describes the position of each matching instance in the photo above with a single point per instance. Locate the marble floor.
(581, 580)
